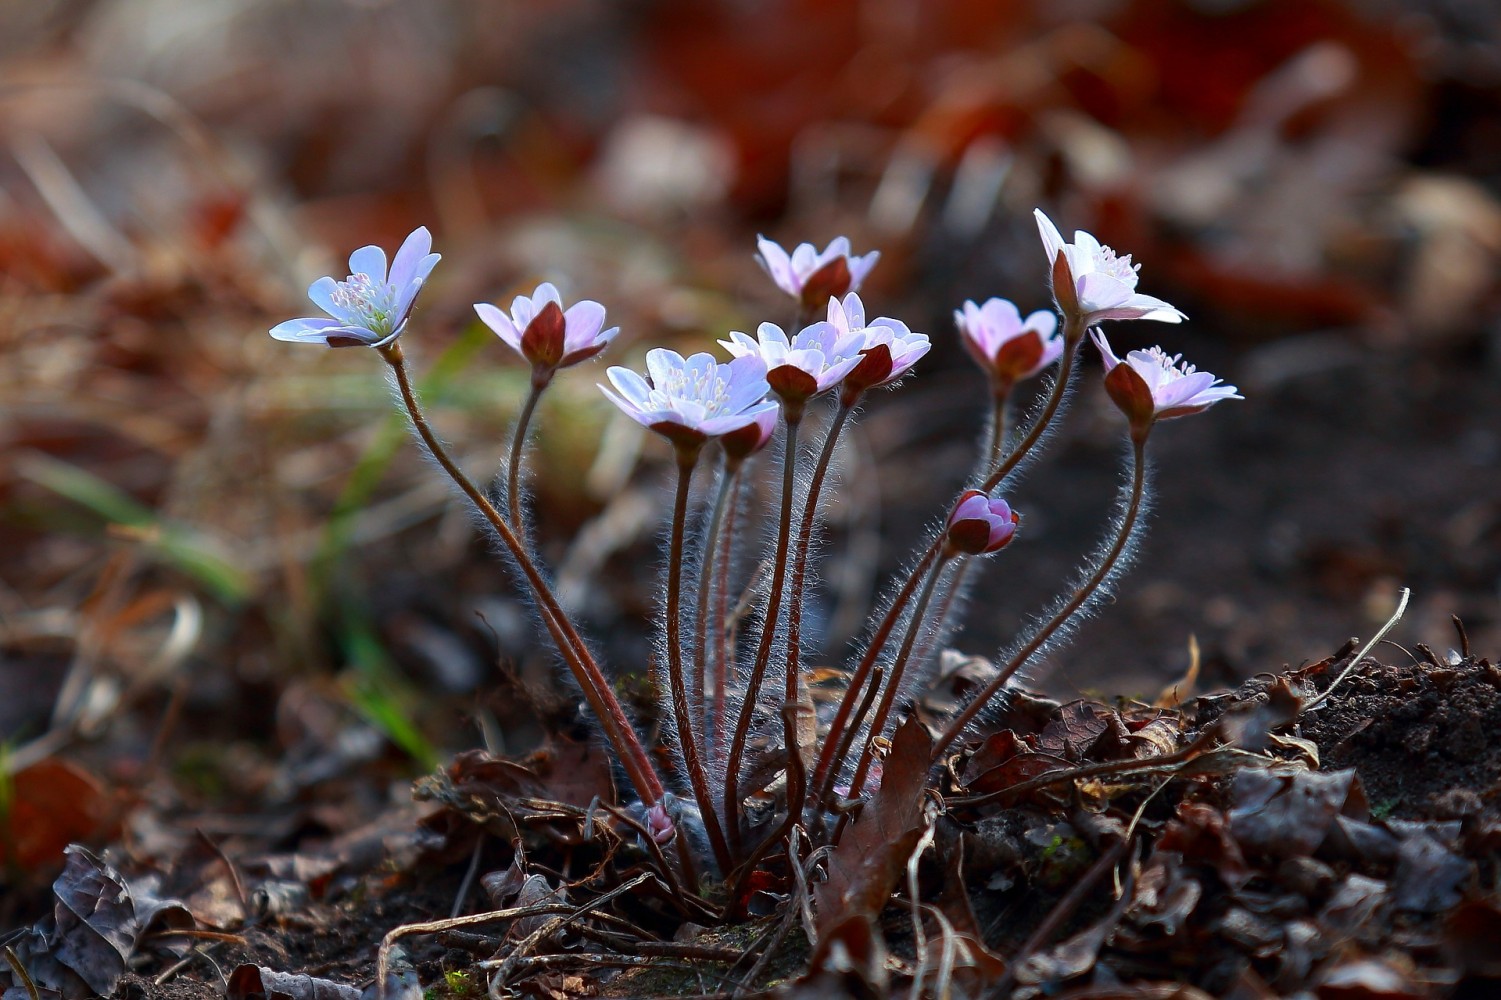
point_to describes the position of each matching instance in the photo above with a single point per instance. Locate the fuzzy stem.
(835, 745)
(800, 557)
(1080, 597)
(722, 626)
(1073, 334)
(518, 444)
(697, 692)
(1000, 395)
(681, 711)
(570, 645)
(792, 417)
(894, 681)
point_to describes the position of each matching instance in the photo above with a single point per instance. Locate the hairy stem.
(997, 426)
(1079, 598)
(800, 562)
(513, 471)
(894, 681)
(1073, 335)
(702, 641)
(596, 688)
(722, 626)
(768, 634)
(681, 710)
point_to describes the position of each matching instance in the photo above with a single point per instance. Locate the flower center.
(1171, 364)
(366, 303)
(1119, 268)
(704, 387)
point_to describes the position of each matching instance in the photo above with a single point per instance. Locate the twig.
(552, 927)
(21, 973)
(1364, 651)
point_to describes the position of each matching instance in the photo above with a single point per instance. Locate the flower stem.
(722, 627)
(703, 645)
(513, 472)
(894, 681)
(792, 419)
(997, 426)
(570, 645)
(1071, 607)
(800, 562)
(1073, 335)
(681, 710)
(835, 744)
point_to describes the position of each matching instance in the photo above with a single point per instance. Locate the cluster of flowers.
(769, 381)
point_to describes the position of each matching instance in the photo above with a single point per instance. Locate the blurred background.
(227, 578)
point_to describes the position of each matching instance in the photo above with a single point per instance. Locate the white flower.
(812, 277)
(1153, 385)
(542, 332)
(1007, 347)
(688, 400)
(1099, 285)
(814, 361)
(369, 309)
(890, 350)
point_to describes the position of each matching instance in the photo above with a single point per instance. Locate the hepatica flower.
(890, 348)
(370, 307)
(812, 277)
(1153, 385)
(1096, 283)
(980, 524)
(540, 330)
(814, 361)
(689, 400)
(1006, 346)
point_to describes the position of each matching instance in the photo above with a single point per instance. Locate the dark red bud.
(682, 437)
(1064, 292)
(1131, 393)
(828, 282)
(1017, 357)
(542, 341)
(792, 383)
(874, 368)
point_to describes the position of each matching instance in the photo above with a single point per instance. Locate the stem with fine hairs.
(682, 711)
(1079, 598)
(596, 688)
(513, 471)
(697, 692)
(792, 418)
(721, 626)
(894, 680)
(1000, 395)
(800, 559)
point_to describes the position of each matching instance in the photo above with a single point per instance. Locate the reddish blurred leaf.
(53, 803)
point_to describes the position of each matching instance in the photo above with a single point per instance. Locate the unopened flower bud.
(980, 524)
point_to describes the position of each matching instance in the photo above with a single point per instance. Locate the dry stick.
(554, 925)
(595, 687)
(681, 711)
(894, 681)
(19, 968)
(1201, 743)
(768, 635)
(1077, 601)
(827, 769)
(800, 557)
(1065, 908)
(1390, 624)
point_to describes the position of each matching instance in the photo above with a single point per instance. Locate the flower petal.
(369, 260)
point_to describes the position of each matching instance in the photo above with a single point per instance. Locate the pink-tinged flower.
(659, 824)
(812, 277)
(814, 361)
(1006, 346)
(370, 307)
(980, 524)
(689, 400)
(890, 350)
(741, 444)
(1152, 385)
(541, 331)
(1092, 282)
